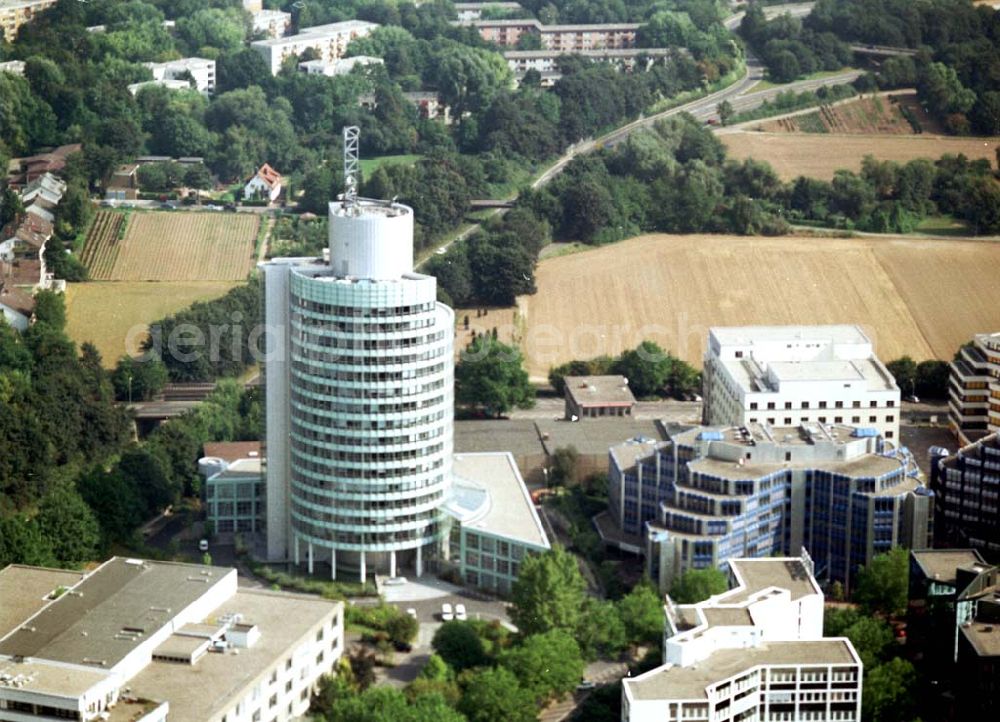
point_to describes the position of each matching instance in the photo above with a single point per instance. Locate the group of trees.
(71, 482)
(490, 377)
(650, 371)
(928, 378)
(788, 49)
(495, 264)
(209, 339)
(955, 70)
(675, 178)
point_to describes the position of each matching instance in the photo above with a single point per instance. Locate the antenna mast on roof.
(351, 137)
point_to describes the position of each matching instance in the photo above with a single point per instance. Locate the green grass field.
(370, 165)
(115, 315)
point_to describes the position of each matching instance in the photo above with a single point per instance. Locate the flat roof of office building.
(230, 451)
(609, 390)
(490, 496)
(984, 638)
(98, 620)
(196, 692)
(942, 564)
(594, 436)
(758, 575)
(744, 335)
(25, 590)
(689, 683)
(518, 436)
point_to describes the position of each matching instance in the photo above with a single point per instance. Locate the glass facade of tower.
(371, 404)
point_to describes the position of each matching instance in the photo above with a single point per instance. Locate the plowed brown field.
(922, 298)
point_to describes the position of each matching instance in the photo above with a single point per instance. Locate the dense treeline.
(210, 339)
(71, 481)
(788, 49)
(675, 178)
(650, 371)
(955, 69)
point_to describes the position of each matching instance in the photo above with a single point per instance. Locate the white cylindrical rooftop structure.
(371, 239)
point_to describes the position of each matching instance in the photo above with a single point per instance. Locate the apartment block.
(328, 41)
(546, 62)
(967, 485)
(788, 375)
(974, 389)
(144, 641)
(200, 70)
(559, 38)
(474, 11)
(338, 67)
(271, 23)
(706, 494)
(15, 13)
(756, 652)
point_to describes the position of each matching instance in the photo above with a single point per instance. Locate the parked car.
(412, 612)
(203, 545)
(447, 614)
(460, 612)
(585, 685)
(168, 207)
(230, 207)
(107, 204)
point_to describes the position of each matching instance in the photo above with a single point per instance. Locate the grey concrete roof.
(689, 683)
(508, 511)
(200, 691)
(58, 680)
(24, 589)
(518, 436)
(942, 564)
(760, 574)
(85, 625)
(599, 390)
(594, 436)
(984, 638)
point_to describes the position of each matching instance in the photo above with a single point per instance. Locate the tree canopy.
(696, 585)
(490, 376)
(548, 593)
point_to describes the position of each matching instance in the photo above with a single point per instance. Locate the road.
(796, 10)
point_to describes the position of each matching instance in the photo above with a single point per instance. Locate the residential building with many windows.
(558, 38)
(974, 389)
(756, 652)
(201, 72)
(789, 375)
(707, 494)
(967, 485)
(144, 641)
(328, 41)
(15, 13)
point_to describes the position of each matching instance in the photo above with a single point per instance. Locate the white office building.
(974, 389)
(359, 399)
(144, 641)
(791, 375)
(756, 652)
(328, 41)
(200, 70)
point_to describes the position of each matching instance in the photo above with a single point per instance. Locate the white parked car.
(446, 613)
(460, 612)
(412, 612)
(203, 545)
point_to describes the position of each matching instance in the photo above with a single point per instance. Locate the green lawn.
(767, 84)
(942, 226)
(370, 165)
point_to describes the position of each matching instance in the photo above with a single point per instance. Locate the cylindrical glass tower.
(370, 386)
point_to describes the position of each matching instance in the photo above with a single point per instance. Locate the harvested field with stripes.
(915, 297)
(171, 246)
